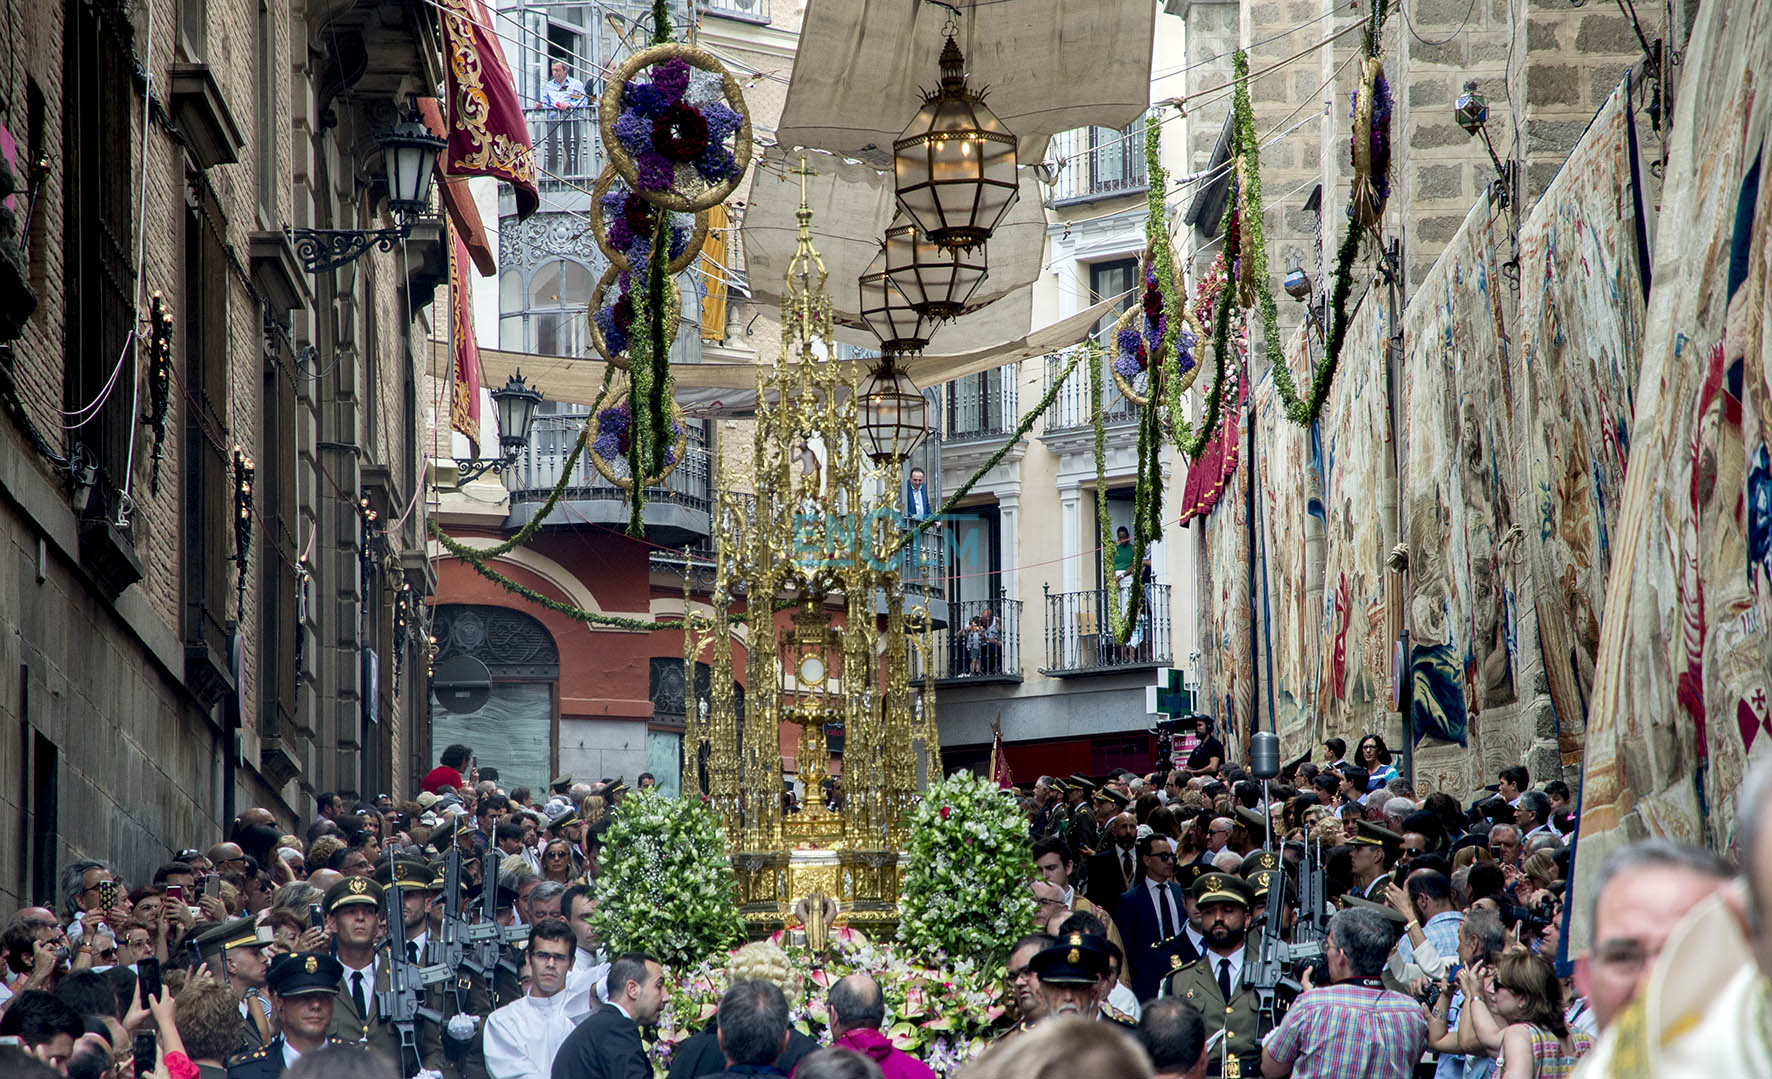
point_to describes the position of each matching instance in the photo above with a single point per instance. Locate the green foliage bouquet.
(667, 887)
(966, 882)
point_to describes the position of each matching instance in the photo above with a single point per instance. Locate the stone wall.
(143, 762)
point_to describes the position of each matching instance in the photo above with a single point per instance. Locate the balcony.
(1097, 163)
(1070, 411)
(982, 407)
(1080, 638)
(676, 511)
(756, 11)
(961, 657)
(568, 148)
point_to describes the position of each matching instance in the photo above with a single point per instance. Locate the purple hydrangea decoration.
(634, 132)
(616, 341)
(646, 99)
(722, 121)
(656, 172)
(671, 79)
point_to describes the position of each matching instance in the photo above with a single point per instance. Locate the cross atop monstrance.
(807, 588)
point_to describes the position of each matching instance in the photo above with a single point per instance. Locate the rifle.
(452, 935)
(1313, 918)
(399, 1003)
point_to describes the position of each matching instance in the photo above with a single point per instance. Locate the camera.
(1531, 919)
(1431, 995)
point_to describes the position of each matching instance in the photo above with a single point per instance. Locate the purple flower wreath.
(665, 132)
(615, 426)
(630, 221)
(615, 319)
(1134, 349)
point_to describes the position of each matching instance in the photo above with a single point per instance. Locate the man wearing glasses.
(1151, 916)
(1024, 985)
(523, 1036)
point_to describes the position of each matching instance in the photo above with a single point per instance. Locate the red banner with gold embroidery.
(487, 132)
(464, 395)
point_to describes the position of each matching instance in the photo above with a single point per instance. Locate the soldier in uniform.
(1073, 974)
(302, 987)
(235, 953)
(1375, 850)
(1215, 984)
(1058, 818)
(353, 915)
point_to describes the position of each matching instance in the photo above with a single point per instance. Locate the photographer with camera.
(1481, 939)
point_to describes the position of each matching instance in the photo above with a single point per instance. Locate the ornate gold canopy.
(810, 558)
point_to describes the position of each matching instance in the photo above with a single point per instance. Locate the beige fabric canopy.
(730, 389)
(1049, 65)
(852, 203)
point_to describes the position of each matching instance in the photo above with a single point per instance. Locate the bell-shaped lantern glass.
(955, 163)
(893, 418)
(409, 156)
(936, 281)
(516, 403)
(888, 314)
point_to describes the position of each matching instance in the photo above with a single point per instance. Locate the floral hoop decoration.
(1138, 335)
(612, 320)
(668, 137)
(624, 223)
(1371, 113)
(611, 440)
(1206, 293)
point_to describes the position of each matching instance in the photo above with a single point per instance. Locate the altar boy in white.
(523, 1036)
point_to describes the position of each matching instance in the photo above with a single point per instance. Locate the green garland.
(1021, 430)
(1300, 409)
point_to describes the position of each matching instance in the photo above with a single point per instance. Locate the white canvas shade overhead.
(730, 389)
(1049, 66)
(852, 204)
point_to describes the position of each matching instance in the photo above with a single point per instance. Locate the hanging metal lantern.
(892, 416)
(898, 325)
(936, 281)
(955, 163)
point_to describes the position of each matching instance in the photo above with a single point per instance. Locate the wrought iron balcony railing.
(568, 148)
(964, 652)
(1098, 163)
(1071, 409)
(1080, 636)
(982, 406)
(756, 11)
(551, 439)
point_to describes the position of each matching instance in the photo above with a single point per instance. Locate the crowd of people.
(1193, 922)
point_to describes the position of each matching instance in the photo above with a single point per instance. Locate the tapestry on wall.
(1680, 683)
(1226, 595)
(1289, 488)
(1580, 341)
(1457, 486)
(1354, 671)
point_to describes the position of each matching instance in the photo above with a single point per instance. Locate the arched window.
(514, 731)
(670, 712)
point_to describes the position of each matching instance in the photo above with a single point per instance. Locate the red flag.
(487, 132)
(1000, 764)
(464, 398)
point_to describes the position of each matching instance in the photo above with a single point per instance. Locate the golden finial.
(806, 314)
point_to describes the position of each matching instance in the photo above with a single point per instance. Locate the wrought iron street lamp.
(955, 163)
(892, 416)
(888, 313)
(409, 163)
(1471, 111)
(516, 410)
(935, 280)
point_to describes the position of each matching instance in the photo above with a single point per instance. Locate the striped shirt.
(1350, 1031)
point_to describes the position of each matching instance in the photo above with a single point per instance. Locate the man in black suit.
(1114, 870)
(303, 987)
(607, 1045)
(1152, 914)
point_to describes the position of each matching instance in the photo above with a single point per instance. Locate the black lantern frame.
(409, 166)
(955, 166)
(892, 415)
(935, 280)
(516, 402)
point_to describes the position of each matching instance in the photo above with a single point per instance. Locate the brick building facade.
(151, 688)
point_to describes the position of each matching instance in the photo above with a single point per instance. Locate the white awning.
(730, 389)
(852, 203)
(1049, 66)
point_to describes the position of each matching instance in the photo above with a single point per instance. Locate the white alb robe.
(523, 1036)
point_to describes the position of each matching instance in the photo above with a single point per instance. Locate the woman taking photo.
(1518, 1014)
